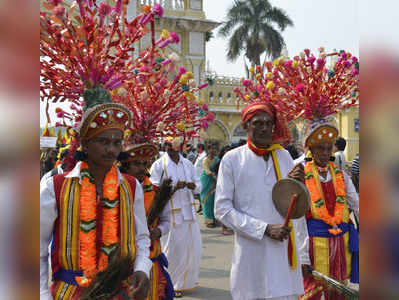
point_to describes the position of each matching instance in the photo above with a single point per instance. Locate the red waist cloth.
(337, 258)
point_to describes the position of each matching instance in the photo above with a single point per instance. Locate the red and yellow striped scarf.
(67, 242)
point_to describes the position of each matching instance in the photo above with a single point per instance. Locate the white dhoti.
(292, 297)
(183, 248)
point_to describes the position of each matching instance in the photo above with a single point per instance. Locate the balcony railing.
(166, 4)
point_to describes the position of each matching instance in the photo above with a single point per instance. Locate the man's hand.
(297, 172)
(155, 233)
(306, 270)
(277, 232)
(139, 285)
(179, 185)
(190, 185)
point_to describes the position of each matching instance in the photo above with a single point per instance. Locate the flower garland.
(88, 214)
(312, 180)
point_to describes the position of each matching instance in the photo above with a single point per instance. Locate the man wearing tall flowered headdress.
(157, 208)
(313, 91)
(94, 214)
(333, 240)
(94, 209)
(266, 262)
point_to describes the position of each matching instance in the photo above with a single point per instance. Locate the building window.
(195, 4)
(210, 96)
(229, 97)
(220, 98)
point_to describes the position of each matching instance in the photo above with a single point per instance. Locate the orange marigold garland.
(312, 179)
(88, 214)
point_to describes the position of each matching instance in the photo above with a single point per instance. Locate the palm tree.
(251, 27)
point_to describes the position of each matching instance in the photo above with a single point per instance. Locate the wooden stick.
(290, 209)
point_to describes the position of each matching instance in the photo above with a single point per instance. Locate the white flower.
(174, 57)
(160, 127)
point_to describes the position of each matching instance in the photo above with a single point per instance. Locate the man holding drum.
(266, 259)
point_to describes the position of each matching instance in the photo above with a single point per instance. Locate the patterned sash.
(65, 254)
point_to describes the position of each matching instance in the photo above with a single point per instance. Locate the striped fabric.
(355, 165)
(66, 232)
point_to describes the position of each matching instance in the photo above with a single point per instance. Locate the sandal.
(178, 294)
(226, 232)
(211, 225)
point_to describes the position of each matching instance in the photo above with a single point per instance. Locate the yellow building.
(187, 19)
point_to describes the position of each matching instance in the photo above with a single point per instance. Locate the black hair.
(340, 142)
(293, 151)
(201, 145)
(80, 155)
(123, 156)
(64, 153)
(125, 166)
(242, 142)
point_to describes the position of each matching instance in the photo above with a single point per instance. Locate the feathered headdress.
(309, 88)
(162, 96)
(306, 87)
(91, 50)
(86, 51)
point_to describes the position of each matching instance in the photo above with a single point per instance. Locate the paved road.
(214, 277)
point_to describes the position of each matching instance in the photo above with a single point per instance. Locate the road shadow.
(208, 257)
(213, 273)
(214, 240)
(208, 293)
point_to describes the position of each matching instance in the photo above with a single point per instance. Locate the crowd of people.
(178, 175)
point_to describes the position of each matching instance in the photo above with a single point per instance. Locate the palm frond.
(161, 198)
(237, 43)
(273, 40)
(278, 16)
(260, 21)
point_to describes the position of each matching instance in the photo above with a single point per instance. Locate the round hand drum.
(282, 193)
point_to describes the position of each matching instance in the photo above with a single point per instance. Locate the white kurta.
(48, 174)
(49, 213)
(243, 201)
(182, 245)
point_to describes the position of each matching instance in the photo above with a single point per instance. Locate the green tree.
(254, 27)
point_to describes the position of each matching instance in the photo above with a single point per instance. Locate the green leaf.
(109, 204)
(340, 199)
(319, 203)
(308, 175)
(87, 226)
(85, 173)
(108, 249)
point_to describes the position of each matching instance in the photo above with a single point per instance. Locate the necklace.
(88, 227)
(312, 180)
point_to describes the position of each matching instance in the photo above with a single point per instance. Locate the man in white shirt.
(339, 148)
(261, 267)
(198, 169)
(59, 169)
(73, 207)
(182, 245)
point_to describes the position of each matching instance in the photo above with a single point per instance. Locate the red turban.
(281, 132)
